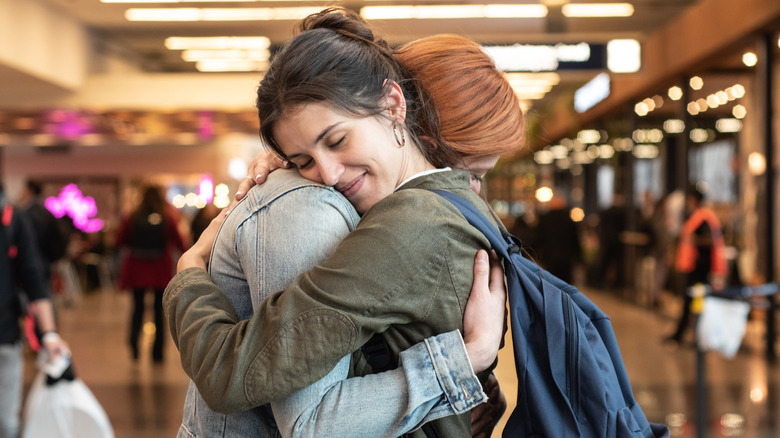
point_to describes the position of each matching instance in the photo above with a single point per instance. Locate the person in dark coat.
(21, 281)
(149, 237)
(557, 240)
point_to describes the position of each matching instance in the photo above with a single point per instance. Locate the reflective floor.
(144, 399)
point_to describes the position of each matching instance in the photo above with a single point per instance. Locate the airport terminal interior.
(630, 106)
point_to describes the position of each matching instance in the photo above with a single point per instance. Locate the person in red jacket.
(148, 237)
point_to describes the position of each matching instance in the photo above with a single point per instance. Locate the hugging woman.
(337, 104)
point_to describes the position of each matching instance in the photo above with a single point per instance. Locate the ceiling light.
(646, 151)
(217, 43)
(675, 93)
(453, 11)
(606, 151)
(700, 135)
(624, 56)
(174, 1)
(202, 55)
(219, 14)
(589, 136)
(544, 194)
(749, 59)
(756, 163)
(728, 125)
(543, 157)
(641, 109)
(712, 101)
(225, 65)
(674, 126)
(532, 85)
(597, 10)
(546, 79)
(738, 91)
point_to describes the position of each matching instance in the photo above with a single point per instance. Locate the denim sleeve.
(434, 379)
(290, 235)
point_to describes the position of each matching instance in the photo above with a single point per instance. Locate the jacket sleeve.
(386, 272)
(434, 379)
(289, 349)
(29, 262)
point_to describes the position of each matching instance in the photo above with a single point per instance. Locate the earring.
(399, 138)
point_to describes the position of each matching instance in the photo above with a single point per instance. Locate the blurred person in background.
(148, 237)
(202, 220)
(700, 254)
(52, 234)
(22, 290)
(609, 268)
(661, 245)
(557, 241)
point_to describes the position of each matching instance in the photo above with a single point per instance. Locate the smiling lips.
(352, 187)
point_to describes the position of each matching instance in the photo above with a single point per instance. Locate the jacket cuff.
(446, 353)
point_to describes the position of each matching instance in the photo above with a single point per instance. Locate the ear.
(395, 101)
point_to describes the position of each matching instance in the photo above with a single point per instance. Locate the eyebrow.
(318, 139)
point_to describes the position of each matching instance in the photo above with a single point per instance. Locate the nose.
(328, 170)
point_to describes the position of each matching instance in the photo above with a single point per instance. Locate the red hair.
(479, 112)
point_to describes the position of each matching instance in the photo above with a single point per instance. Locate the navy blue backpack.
(571, 377)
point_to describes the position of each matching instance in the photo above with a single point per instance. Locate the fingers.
(496, 284)
(482, 270)
(244, 186)
(483, 321)
(259, 168)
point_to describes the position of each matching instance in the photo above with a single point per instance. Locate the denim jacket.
(281, 229)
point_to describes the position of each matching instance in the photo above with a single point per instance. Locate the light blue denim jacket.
(285, 227)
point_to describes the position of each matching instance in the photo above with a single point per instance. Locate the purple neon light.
(80, 208)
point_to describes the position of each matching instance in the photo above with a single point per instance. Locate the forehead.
(303, 123)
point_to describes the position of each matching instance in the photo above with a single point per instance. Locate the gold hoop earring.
(400, 139)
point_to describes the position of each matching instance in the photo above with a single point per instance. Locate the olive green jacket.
(406, 271)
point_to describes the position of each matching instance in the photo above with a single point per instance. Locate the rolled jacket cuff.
(447, 355)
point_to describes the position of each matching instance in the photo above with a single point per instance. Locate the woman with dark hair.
(149, 236)
(338, 106)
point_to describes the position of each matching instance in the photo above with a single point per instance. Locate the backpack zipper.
(572, 346)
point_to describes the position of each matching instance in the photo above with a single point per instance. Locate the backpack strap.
(503, 244)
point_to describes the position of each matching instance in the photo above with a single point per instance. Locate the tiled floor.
(143, 399)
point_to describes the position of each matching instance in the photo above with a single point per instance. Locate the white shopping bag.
(66, 409)
(721, 325)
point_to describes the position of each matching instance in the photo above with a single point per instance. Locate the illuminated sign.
(596, 90)
(80, 208)
(553, 57)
